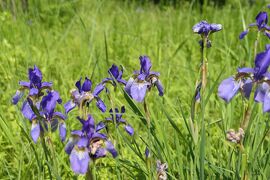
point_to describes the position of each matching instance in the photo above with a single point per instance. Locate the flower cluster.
(261, 25)
(161, 170)
(38, 108)
(247, 78)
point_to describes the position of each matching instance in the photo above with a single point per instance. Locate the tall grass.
(70, 39)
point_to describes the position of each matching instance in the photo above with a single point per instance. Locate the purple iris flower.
(116, 116)
(246, 77)
(46, 115)
(35, 85)
(87, 144)
(261, 24)
(115, 74)
(83, 96)
(204, 28)
(143, 80)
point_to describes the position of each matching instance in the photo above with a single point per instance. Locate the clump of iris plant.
(38, 108)
(143, 80)
(116, 117)
(204, 29)
(83, 96)
(88, 144)
(260, 25)
(247, 78)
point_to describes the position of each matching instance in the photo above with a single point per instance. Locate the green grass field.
(72, 39)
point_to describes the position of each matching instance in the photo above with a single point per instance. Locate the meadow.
(72, 39)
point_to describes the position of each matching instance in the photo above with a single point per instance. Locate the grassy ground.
(70, 39)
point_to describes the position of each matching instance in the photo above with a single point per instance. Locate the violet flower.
(246, 78)
(261, 24)
(204, 29)
(82, 96)
(115, 74)
(44, 115)
(86, 144)
(116, 117)
(35, 86)
(143, 80)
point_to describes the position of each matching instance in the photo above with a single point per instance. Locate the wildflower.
(143, 80)
(204, 29)
(147, 152)
(161, 170)
(86, 144)
(115, 74)
(246, 77)
(261, 24)
(45, 115)
(35, 86)
(83, 96)
(235, 137)
(116, 116)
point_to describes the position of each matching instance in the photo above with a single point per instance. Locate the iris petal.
(35, 131)
(138, 91)
(228, 89)
(79, 160)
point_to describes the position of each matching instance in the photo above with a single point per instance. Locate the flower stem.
(256, 44)
(148, 160)
(204, 67)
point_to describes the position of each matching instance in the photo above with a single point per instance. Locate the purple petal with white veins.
(128, 85)
(79, 159)
(69, 106)
(18, 95)
(243, 34)
(35, 76)
(35, 131)
(228, 89)
(110, 148)
(27, 111)
(87, 85)
(100, 104)
(129, 130)
(138, 91)
(62, 131)
(99, 88)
